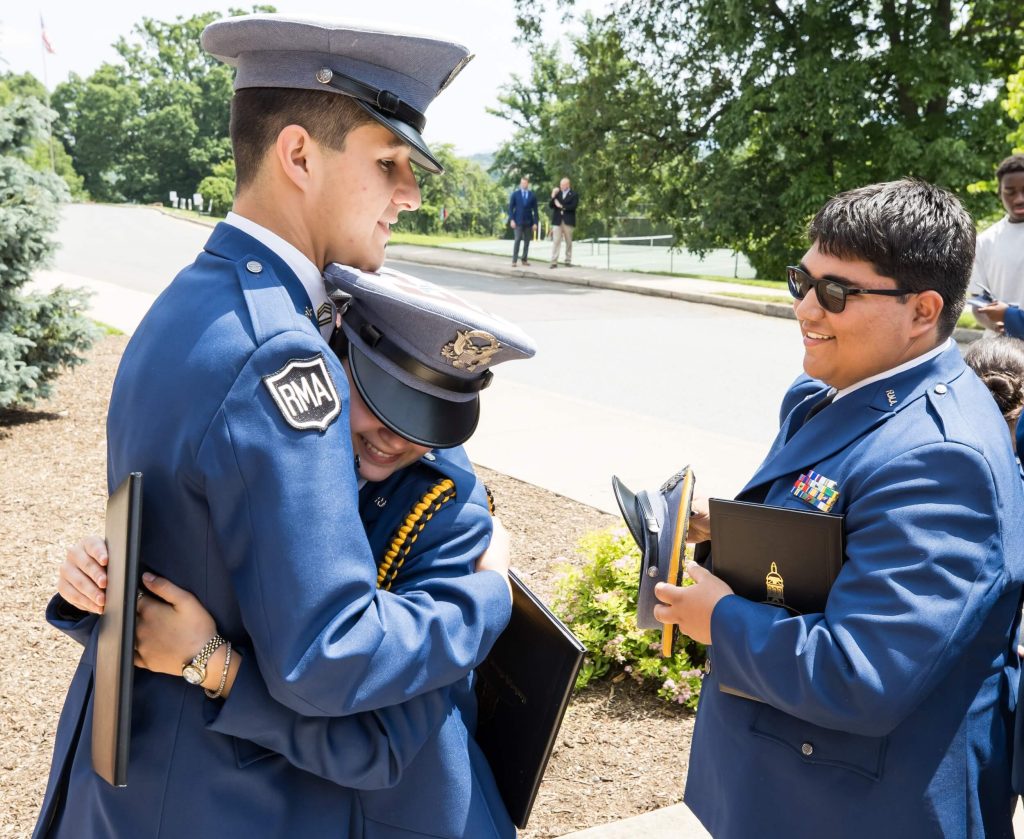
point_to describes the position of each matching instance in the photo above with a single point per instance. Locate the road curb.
(757, 307)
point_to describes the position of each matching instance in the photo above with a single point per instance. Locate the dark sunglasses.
(830, 293)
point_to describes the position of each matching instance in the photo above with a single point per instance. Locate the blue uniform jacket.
(426, 523)
(1014, 321)
(890, 714)
(523, 210)
(259, 520)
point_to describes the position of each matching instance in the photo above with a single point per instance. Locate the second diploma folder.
(522, 689)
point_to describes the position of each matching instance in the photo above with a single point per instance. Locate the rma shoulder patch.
(304, 392)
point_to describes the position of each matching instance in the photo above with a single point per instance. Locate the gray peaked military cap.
(655, 519)
(418, 354)
(393, 76)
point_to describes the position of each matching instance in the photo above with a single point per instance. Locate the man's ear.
(928, 306)
(294, 154)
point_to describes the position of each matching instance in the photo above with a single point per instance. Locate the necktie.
(820, 405)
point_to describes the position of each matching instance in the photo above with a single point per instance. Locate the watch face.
(193, 675)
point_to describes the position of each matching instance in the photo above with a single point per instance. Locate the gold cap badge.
(470, 349)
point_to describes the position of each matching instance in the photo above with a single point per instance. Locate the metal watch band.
(215, 694)
(199, 662)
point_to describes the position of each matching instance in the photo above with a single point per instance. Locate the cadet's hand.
(992, 315)
(498, 553)
(82, 579)
(169, 631)
(691, 606)
(512, 223)
(700, 520)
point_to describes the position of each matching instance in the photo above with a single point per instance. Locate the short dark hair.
(258, 114)
(918, 234)
(999, 363)
(1014, 163)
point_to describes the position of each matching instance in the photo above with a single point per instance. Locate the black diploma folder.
(522, 689)
(112, 708)
(779, 555)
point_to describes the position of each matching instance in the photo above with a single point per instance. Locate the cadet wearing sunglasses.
(892, 707)
(831, 291)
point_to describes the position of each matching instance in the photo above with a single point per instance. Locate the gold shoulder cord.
(401, 543)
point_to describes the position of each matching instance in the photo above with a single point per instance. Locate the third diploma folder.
(522, 689)
(783, 556)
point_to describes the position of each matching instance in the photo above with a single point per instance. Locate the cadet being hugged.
(230, 402)
(890, 714)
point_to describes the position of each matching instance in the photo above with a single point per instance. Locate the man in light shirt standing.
(999, 261)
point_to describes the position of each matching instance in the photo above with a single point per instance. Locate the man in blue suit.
(523, 218)
(231, 403)
(889, 714)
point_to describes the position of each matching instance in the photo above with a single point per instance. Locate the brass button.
(807, 749)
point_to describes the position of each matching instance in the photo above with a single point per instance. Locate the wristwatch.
(195, 671)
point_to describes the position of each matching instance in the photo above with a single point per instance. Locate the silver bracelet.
(215, 694)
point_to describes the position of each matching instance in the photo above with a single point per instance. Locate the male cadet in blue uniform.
(415, 355)
(890, 714)
(247, 501)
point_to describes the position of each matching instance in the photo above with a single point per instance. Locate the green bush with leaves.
(598, 602)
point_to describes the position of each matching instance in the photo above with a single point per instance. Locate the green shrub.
(598, 602)
(218, 194)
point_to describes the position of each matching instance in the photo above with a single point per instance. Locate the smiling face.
(360, 193)
(872, 334)
(1011, 193)
(381, 452)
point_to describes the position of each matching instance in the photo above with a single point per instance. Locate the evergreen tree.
(39, 334)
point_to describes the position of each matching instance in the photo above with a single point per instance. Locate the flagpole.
(46, 86)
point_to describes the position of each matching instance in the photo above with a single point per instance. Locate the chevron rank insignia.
(324, 314)
(304, 392)
(817, 490)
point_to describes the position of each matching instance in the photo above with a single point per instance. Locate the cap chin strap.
(383, 100)
(390, 350)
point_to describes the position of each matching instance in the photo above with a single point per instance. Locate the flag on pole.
(46, 41)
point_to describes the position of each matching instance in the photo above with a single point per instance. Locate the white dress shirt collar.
(303, 268)
(906, 365)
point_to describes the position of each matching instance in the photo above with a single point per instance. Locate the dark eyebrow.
(835, 278)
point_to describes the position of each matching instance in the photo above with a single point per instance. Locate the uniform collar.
(863, 409)
(303, 268)
(888, 374)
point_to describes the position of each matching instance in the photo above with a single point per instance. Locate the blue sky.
(82, 32)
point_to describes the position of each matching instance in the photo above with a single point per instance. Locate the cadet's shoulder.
(967, 413)
(452, 465)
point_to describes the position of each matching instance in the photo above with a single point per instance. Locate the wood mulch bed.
(611, 759)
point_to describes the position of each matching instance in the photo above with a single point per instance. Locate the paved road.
(622, 382)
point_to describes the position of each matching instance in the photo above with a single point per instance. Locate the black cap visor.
(421, 155)
(626, 500)
(417, 416)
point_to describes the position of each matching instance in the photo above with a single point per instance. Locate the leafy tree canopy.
(734, 122)
(155, 122)
(463, 201)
